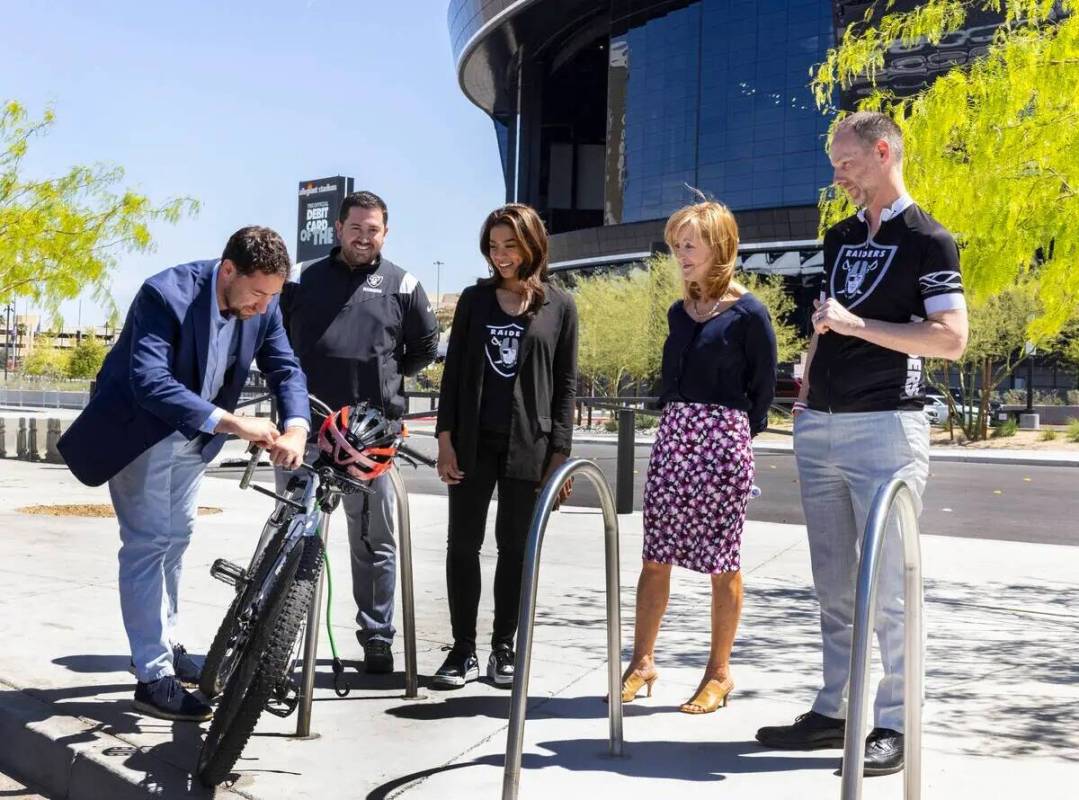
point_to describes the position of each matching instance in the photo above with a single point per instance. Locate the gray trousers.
(371, 521)
(843, 459)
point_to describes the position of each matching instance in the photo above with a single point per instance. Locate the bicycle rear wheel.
(264, 664)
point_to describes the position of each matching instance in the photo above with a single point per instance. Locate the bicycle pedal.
(227, 572)
(285, 698)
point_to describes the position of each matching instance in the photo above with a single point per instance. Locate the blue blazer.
(150, 381)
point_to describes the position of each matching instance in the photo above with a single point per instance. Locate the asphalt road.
(978, 501)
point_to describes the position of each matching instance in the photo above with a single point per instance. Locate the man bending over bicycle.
(161, 411)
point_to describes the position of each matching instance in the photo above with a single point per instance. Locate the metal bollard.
(627, 421)
(52, 436)
(32, 453)
(511, 777)
(20, 440)
(895, 494)
(3, 439)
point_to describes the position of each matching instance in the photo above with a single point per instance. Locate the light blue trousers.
(842, 460)
(155, 497)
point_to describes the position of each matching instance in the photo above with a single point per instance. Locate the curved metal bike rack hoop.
(896, 494)
(408, 601)
(511, 778)
(408, 609)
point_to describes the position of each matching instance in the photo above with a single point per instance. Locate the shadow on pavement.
(687, 761)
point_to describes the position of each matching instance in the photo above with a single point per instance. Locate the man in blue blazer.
(161, 411)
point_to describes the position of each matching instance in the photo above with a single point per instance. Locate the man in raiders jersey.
(894, 296)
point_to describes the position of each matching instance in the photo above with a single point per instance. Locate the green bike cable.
(338, 668)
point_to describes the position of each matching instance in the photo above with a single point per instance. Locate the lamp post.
(7, 338)
(438, 285)
(1030, 350)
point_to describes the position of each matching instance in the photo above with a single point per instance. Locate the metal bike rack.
(408, 602)
(511, 778)
(895, 494)
(310, 646)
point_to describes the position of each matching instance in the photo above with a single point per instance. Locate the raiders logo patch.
(858, 270)
(374, 281)
(503, 342)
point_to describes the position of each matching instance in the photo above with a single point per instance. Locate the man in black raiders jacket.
(359, 324)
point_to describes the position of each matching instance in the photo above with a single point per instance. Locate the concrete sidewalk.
(1002, 713)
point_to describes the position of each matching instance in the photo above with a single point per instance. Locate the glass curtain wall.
(713, 95)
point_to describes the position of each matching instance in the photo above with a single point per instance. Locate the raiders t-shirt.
(908, 270)
(501, 350)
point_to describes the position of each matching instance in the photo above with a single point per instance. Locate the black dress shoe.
(377, 657)
(810, 731)
(883, 752)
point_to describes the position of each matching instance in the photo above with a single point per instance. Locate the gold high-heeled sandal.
(709, 697)
(633, 683)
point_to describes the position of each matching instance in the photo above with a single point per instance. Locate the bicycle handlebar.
(253, 462)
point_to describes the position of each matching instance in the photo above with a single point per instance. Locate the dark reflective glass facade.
(713, 95)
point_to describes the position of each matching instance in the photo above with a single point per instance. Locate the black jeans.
(469, 501)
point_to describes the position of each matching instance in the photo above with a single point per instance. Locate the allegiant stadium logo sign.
(312, 189)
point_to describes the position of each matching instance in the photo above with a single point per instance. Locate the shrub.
(1073, 430)
(1006, 429)
(647, 422)
(1048, 435)
(611, 425)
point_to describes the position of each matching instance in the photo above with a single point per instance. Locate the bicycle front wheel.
(264, 664)
(232, 636)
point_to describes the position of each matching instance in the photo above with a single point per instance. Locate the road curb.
(973, 457)
(73, 758)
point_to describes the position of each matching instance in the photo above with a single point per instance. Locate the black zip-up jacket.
(541, 420)
(359, 331)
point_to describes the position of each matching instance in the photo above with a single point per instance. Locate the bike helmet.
(359, 440)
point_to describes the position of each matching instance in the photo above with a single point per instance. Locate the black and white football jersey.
(906, 271)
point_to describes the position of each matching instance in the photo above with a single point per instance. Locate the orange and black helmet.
(359, 440)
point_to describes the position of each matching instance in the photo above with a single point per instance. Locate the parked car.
(935, 408)
(976, 401)
(787, 387)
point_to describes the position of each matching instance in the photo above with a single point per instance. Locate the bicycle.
(255, 651)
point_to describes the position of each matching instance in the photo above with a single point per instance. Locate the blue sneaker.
(186, 668)
(165, 698)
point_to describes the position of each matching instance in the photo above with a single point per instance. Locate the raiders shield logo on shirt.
(503, 342)
(374, 281)
(858, 270)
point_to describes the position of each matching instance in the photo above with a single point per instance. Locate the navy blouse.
(730, 360)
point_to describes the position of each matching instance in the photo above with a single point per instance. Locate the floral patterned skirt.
(699, 477)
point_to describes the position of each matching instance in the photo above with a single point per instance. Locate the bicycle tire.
(262, 666)
(211, 681)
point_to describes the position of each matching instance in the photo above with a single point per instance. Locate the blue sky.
(235, 103)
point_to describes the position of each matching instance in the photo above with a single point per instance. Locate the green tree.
(46, 360)
(992, 148)
(61, 236)
(86, 357)
(999, 343)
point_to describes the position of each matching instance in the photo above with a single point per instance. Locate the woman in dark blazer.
(505, 418)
